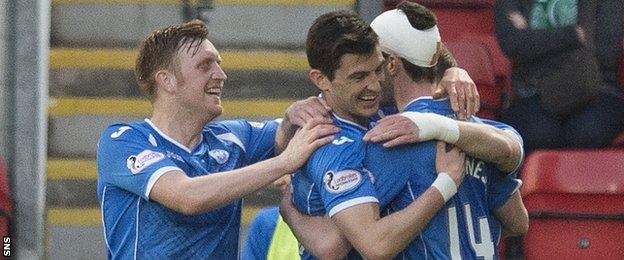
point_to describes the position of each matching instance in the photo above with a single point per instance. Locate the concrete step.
(75, 124)
(73, 183)
(232, 23)
(120, 83)
(109, 73)
(77, 233)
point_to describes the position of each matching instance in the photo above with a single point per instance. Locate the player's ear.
(165, 79)
(319, 79)
(393, 64)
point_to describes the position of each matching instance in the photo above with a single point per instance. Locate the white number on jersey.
(483, 249)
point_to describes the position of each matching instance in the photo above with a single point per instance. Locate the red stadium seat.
(6, 201)
(575, 201)
(456, 17)
(618, 141)
(474, 58)
(500, 62)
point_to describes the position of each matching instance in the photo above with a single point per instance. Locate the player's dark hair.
(159, 50)
(335, 34)
(422, 18)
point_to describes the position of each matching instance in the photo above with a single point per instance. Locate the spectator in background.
(565, 58)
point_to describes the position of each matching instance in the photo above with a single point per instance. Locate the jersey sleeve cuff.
(352, 202)
(155, 176)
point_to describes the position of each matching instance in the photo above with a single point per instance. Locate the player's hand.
(451, 160)
(302, 111)
(461, 91)
(393, 130)
(282, 183)
(307, 139)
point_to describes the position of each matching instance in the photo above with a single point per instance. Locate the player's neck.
(410, 90)
(343, 113)
(178, 126)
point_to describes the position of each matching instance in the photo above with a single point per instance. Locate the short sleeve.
(514, 132)
(337, 169)
(500, 188)
(126, 159)
(256, 139)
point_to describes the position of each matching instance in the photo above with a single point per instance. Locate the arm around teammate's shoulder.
(491, 144)
(196, 195)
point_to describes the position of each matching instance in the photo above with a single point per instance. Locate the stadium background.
(66, 73)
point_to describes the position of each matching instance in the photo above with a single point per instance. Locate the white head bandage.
(396, 35)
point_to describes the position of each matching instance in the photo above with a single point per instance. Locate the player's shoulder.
(125, 130)
(346, 140)
(347, 148)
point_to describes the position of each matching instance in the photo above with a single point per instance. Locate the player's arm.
(299, 113)
(482, 141)
(382, 238)
(190, 196)
(513, 216)
(317, 234)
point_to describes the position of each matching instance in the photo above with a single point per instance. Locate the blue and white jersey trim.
(351, 203)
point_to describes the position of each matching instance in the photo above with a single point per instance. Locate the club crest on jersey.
(221, 156)
(336, 182)
(342, 140)
(175, 156)
(136, 163)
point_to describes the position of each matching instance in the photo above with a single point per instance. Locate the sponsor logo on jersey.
(152, 140)
(342, 140)
(221, 156)
(138, 162)
(257, 124)
(336, 182)
(120, 131)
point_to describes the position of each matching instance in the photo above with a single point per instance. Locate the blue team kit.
(349, 172)
(131, 157)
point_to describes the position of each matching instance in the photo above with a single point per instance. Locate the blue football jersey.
(465, 227)
(131, 158)
(334, 178)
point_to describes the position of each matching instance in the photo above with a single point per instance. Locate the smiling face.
(199, 79)
(355, 91)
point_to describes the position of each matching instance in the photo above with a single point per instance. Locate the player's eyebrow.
(358, 75)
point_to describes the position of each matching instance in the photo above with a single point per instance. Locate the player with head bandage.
(495, 149)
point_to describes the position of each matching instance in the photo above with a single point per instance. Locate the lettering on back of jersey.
(336, 182)
(474, 168)
(342, 140)
(120, 131)
(221, 156)
(136, 163)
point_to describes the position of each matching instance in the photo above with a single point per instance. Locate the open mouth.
(368, 97)
(213, 91)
